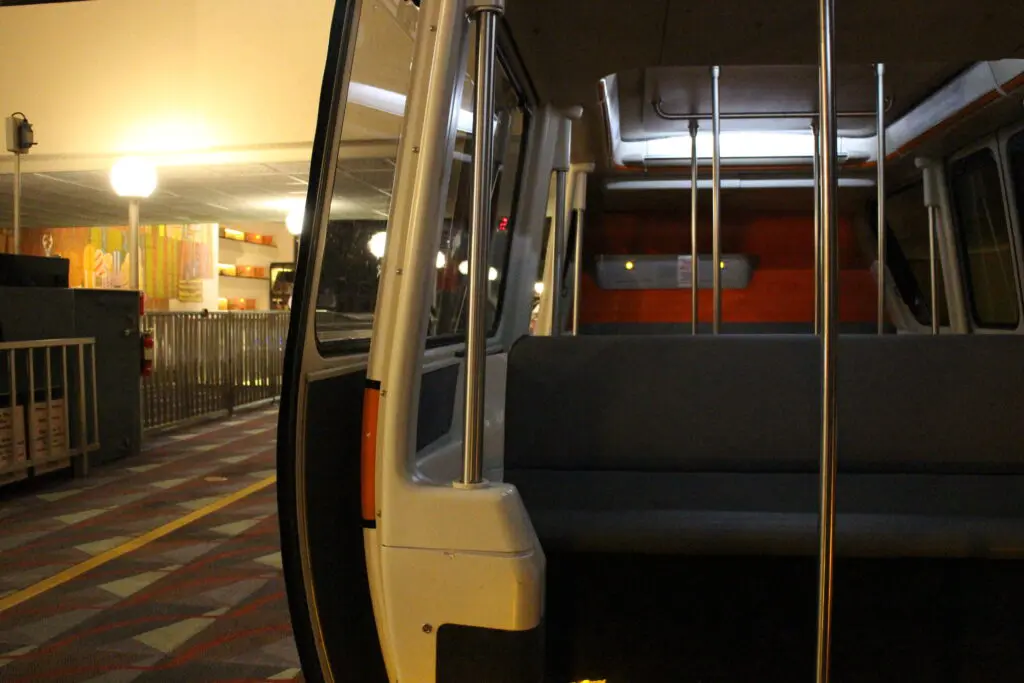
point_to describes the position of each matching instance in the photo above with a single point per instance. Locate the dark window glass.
(909, 256)
(1015, 152)
(984, 240)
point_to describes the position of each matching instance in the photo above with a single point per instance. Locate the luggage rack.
(49, 408)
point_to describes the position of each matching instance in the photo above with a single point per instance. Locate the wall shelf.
(245, 277)
(250, 244)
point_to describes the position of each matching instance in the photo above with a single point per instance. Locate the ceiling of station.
(225, 193)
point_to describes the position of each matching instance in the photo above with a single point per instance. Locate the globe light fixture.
(133, 177)
(294, 220)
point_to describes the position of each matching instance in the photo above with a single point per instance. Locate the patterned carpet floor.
(203, 603)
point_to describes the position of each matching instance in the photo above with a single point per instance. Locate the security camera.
(20, 137)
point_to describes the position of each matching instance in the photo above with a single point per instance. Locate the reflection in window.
(356, 237)
(449, 315)
(985, 238)
(361, 199)
(908, 253)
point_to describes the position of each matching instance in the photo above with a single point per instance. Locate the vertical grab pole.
(486, 17)
(829, 231)
(557, 284)
(933, 270)
(932, 206)
(716, 183)
(816, 170)
(579, 204)
(880, 186)
(694, 254)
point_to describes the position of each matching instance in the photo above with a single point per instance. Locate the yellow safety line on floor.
(74, 572)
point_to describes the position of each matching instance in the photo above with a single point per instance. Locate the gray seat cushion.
(701, 444)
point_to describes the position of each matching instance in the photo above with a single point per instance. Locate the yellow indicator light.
(629, 266)
(721, 264)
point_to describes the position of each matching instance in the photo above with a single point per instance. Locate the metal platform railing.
(49, 408)
(211, 363)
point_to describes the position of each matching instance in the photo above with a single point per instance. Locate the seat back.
(752, 403)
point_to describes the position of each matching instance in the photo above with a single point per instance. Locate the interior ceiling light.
(742, 145)
(734, 144)
(394, 103)
(442, 260)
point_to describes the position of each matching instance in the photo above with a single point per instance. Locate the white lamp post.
(135, 179)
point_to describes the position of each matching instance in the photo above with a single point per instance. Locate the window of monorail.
(985, 238)
(357, 233)
(909, 256)
(361, 199)
(1015, 154)
(448, 316)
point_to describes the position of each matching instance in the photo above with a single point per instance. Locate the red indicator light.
(503, 224)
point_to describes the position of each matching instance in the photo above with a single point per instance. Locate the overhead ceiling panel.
(867, 31)
(197, 194)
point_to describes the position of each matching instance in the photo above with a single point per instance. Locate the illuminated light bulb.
(377, 244)
(492, 273)
(538, 288)
(294, 220)
(133, 177)
(629, 265)
(442, 260)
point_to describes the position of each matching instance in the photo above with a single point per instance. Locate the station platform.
(158, 569)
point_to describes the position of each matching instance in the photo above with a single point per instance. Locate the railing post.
(95, 398)
(49, 406)
(829, 230)
(485, 15)
(83, 430)
(232, 351)
(67, 403)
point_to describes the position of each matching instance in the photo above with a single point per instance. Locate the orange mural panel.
(98, 257)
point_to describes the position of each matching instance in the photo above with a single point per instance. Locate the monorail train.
(666, 341)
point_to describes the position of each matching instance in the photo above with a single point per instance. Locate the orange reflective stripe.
(368, 453)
